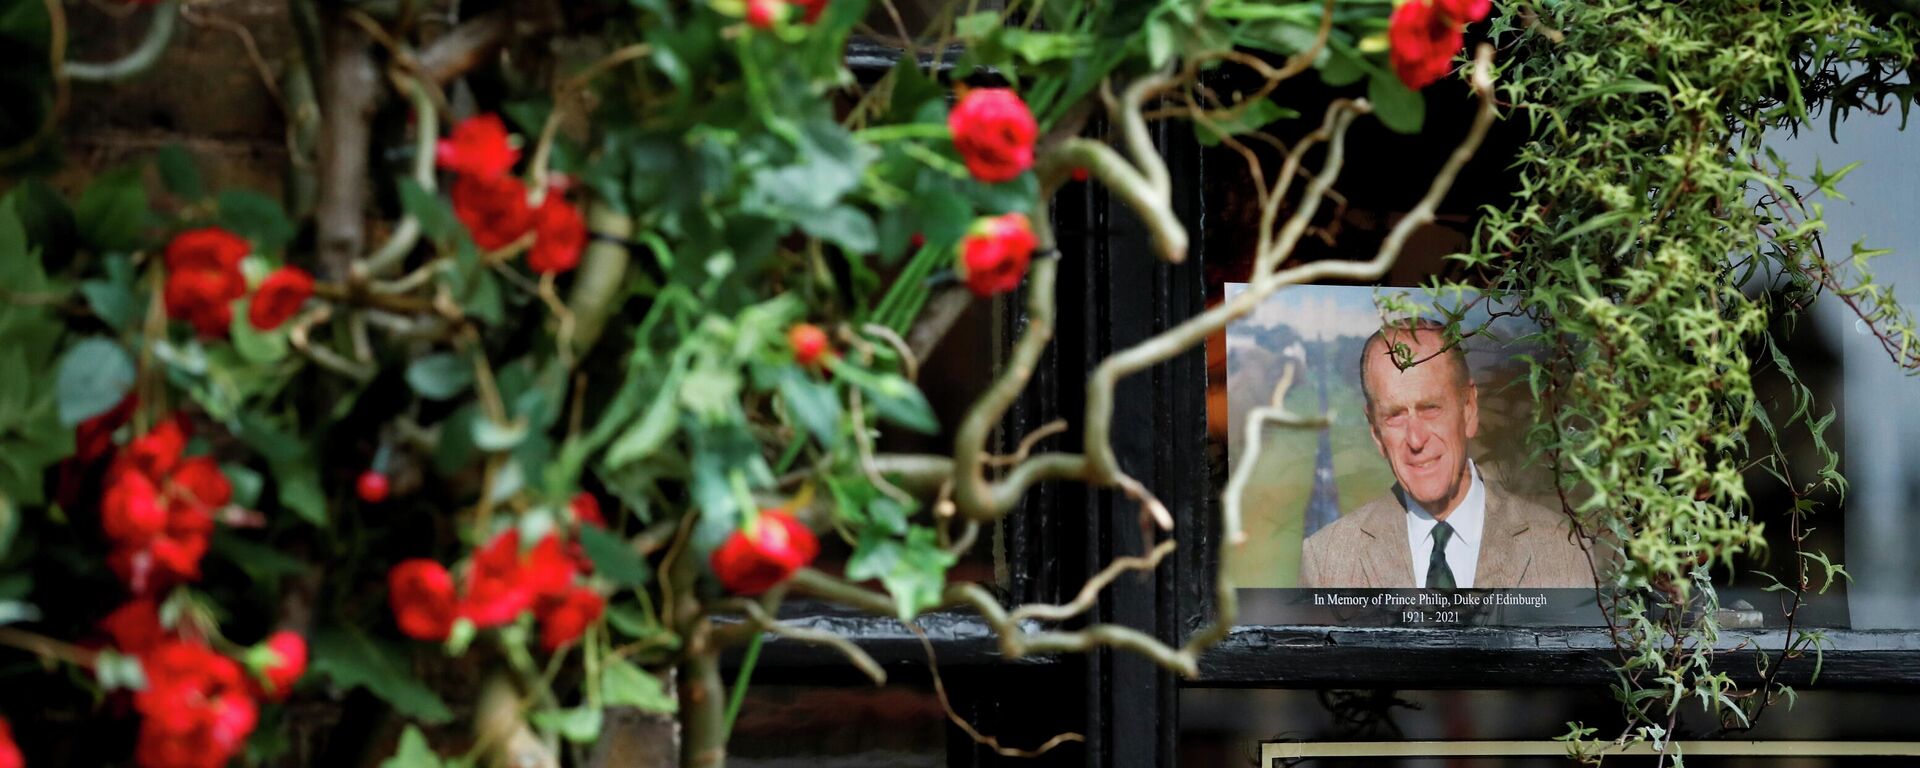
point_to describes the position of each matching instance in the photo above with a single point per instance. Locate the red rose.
(479, 146)
(563, 620)
(751, 562)
(279, 297)
(202, 482)
(1424, 40)
(494, 210)
(496, 592)
(995, 252)
(135, 627)
(994, 133)
(1466, 11)
(204, 299)
(203, 278)
(559, 236)
(586, 510)
(196, 710)
(547, 570)
(157, 451)
(421, 593)
(209, 249)
(131, 512)
(10, 756)
(289, 663)
(809, 343)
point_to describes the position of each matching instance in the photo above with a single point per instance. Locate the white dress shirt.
(1463, 550)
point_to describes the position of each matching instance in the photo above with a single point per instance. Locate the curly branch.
(1091, 590)
(759, 620)
(140, 59)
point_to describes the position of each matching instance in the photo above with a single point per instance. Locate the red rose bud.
(559, 236)
(479, 146)
(421, 594)
(1079, 173)
(372, 486)
(586, 510)
(10, 756)
(494, 210)
(280, 297)
(761, 13)
(288, 663)
(994, 254)
(131, 512)
(196, 709)
(994, 133)
(1466, 11)
(1424, 40)
(809, 343)
(203, 278)
(751, 562)
(566, 618)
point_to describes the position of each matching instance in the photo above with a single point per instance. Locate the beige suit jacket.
(1522, 544)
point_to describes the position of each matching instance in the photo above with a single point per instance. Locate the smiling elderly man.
(1444, 526)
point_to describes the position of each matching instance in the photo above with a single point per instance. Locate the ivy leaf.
(352, 660)
(812, 403)
(612, 559)
(94, 376)
(413, 752)
(113, 297)
(895, 399)
(432, 211)
(1400, 109)
(255, 217)
(440, 376)
(624, 685)
(844, 226)
(580, 725)
(914, 571)
(178, 173)
(112, 212)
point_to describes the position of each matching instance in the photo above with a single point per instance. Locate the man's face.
(1422, 419)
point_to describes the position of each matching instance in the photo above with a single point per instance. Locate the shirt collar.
(1467, 520)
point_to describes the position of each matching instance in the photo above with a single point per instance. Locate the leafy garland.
(1649, 208)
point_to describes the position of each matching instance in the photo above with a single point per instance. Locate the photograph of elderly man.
(1442, 525)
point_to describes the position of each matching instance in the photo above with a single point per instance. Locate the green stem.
(903, 131)
(159, 32)
(740, 682)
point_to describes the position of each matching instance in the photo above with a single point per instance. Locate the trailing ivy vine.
(1654, 236)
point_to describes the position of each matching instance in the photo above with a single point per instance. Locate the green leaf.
(432, 211)
(352, 660)
(116, 671)
(845, 226)
(812, 403)
(1251, 118)
(178, 173)
(654, 426)
(898, 401)
(261, 563)
(624, 685)
(113, 297)
(612, 559)
(255, 217)
(15, 612)
(112, 212)
(914, 571)
(253, 344)
(440, 376)
(490, 435)
(9, 523)
(413, 752)
(580, 725)
(1400, 109)
(94, 376)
